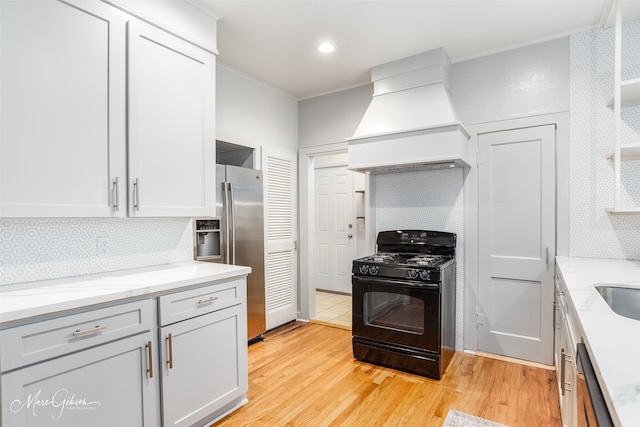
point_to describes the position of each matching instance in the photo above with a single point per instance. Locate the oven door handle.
(405, 283)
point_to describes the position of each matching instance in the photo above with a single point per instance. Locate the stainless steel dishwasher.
(592, 409)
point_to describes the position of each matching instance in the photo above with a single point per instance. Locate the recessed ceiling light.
(326, 47)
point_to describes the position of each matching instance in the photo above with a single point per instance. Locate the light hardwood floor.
(304, 374)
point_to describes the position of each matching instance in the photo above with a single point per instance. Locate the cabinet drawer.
(195, 302)
(35, 342)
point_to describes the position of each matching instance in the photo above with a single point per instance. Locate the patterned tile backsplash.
(594, 232)
(49, 248)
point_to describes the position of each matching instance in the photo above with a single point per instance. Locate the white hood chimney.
(411, 122)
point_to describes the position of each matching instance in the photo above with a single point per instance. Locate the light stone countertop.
(26, 300)
(613, 341)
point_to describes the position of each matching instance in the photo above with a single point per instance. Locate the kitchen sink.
(622, 300)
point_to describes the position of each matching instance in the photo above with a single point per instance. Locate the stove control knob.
(364, 269)
(424, 274)
(413, 274)
(373, 270)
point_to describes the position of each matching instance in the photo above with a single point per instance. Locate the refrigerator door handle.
(232, 222)
(225, 192)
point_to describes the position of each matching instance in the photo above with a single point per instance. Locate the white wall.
(332, 118)
(532, 80)
(253, 114)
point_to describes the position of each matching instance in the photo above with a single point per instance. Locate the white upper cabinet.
(171, 139)
(62, 120)
(74, 75)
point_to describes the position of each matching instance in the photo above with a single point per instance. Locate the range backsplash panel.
(595, 233)
(50, 248)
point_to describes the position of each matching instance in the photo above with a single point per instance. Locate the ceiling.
(275, 41)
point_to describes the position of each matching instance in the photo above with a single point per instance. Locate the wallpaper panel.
(49, 248)
(426, 200)
(594, 232)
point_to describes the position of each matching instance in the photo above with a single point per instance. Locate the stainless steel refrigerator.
(240, 206)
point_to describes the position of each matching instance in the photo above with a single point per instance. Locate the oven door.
(398, 312)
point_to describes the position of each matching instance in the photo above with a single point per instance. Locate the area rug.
(460, 419)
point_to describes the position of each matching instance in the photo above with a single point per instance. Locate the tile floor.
(333, 308)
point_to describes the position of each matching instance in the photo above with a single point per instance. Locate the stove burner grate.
(383, 257)
(426, 260)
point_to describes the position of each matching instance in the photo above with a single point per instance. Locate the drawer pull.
(91, 331)
(562, 369)
(170, 356)
(150, 361)
(207, 301)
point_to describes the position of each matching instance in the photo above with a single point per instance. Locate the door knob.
(350, 235)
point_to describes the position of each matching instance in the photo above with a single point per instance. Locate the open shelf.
(630, 210)
(627, 152)
(630, 93)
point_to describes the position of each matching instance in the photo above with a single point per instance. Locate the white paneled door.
(336, 245)
(516, 172)
(281, 263)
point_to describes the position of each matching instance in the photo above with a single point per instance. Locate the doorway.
(310, 160)
(335, 239)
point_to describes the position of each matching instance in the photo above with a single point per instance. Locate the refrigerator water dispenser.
(206, 239)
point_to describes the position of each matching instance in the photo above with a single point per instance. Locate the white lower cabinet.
(111, 384)
(117, 365)
(568, 379)
(201, 373)
(204, 358)
(565, 357)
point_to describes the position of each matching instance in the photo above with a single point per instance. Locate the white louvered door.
(282, 267)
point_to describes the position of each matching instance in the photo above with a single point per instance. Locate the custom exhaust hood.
(410, 123)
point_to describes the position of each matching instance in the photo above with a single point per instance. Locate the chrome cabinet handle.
(116, 201)
(547, 256)
(170, 356)
(136, 196)
(207, 301)
(562, 359)
(149, 359)
(91, 331)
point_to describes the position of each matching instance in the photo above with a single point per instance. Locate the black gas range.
(404, 302)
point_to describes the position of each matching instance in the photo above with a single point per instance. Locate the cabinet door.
(204, 365)
(62, 122)
(569, 402)
(108, 385)
(171, 139)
